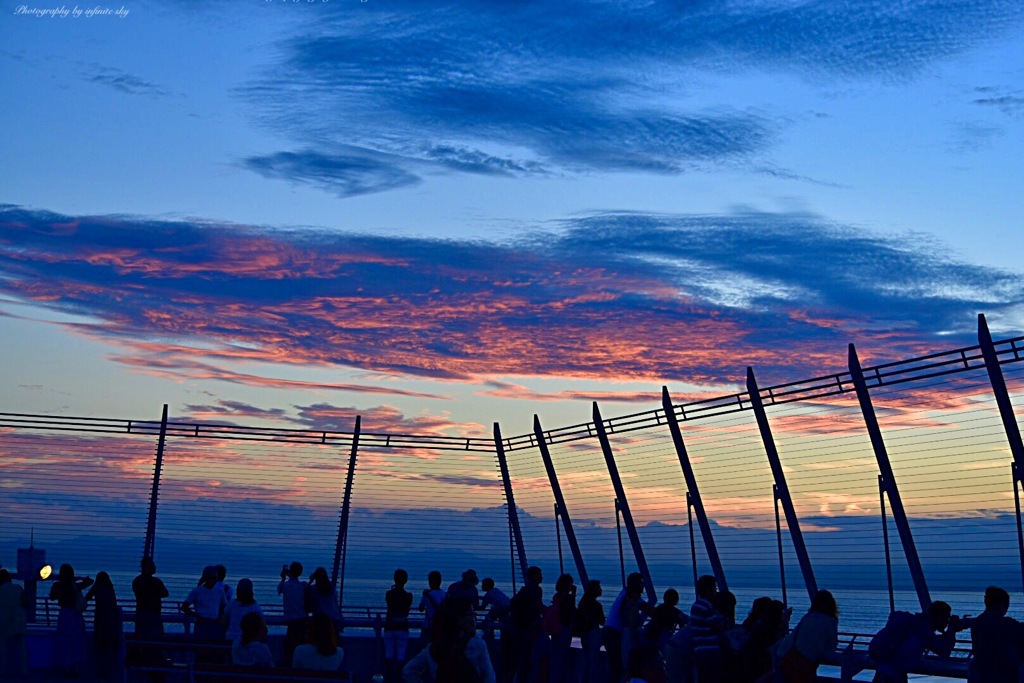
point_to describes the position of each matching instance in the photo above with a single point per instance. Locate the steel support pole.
(149, 544)
(558, 541)
(1017, 483)
(693, 540)
(618, 534)
(778, 538)
(899, 515)
(620, 494)
(692, 491)
(792, 522)
(885, 538)
(995, 376)
(341, 545)
(563, 512)
(513, 512)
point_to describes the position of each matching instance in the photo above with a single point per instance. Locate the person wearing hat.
(466, 588)
(207, 602)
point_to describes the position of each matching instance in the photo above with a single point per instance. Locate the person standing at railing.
(69, 641)
(108, 627)
(13, 604)
(813, 639)
(396, 626)
(323, 598)
(997, 641)
(149, 595)
(430, 602)
(496, 603)
(206, 603)
(293, 590)
(243, 603)
(904, 639)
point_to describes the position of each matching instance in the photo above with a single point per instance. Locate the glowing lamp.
(45, 571)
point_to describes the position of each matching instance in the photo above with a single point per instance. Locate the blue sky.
(441, 214)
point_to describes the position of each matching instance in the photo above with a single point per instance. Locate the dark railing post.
(623, 504)
(618, 535)
(341, 545)
(692, 491)
(995, 376)
(778, 539)
(899, 515)
(563, 512)
(513, 512)
(149, 545)
(885, 540)
(781, 487)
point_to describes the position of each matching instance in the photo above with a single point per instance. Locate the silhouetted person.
(559, 618)
(750, 653)
(243, 603)
(292, 590)
(465, 588)
(69, 641)
(13, 603)
(705, 627)
(430, 602)
(664, 620)
(222, 575)
(619, 626)
(997, 640)
(725, 604)
(323, 597)
(396, 625)
(496, 603)
(207, 602)
(250, 648)
(589, 624)
(898, 647)
(523, 628)
(108, 628)
(456, 654)
(149, 594)
(813, 639)
(321, 653)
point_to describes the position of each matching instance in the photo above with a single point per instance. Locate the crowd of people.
(530, 637)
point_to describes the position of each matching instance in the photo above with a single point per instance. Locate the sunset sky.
(442, 215)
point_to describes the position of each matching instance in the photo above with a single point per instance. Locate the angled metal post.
(778, 539)
(693, 545)
(558, 541)
(888, 480)
(693, 542)
(149, 544)
(341, 545)
(792, 522)
(1015, 471)
(623, 504)
(513, 512)
(885, 538)
(995, 376)
(692, 492)
(563, 512)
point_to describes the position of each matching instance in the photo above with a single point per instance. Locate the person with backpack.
(904, 639)
(456, 654)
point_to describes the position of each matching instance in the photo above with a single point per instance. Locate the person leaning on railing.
(813, 639)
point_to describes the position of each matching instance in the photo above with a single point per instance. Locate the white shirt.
(422, 668)
(207, 603)
(307, 657)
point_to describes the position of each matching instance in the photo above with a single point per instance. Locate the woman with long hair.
(108, 627)
(69, 641)
(243, 603)
(321, 651)
(814, 638)
(456, 654)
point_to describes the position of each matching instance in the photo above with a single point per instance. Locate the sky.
(439, 216)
